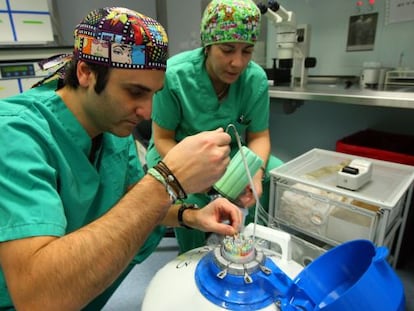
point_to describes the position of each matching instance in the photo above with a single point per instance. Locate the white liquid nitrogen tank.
(237, 275)
(240, 275)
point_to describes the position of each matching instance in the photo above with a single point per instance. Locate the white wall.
(183, 24)
(329, 21)
(321, 124)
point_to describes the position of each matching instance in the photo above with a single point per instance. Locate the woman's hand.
(247, 199)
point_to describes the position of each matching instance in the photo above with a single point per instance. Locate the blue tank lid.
(352, 276)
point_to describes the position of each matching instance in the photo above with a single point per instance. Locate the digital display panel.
(17, 70)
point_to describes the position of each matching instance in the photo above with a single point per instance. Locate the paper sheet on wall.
(399, 11)
(26, 22)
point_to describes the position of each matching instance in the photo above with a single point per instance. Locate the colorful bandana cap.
(121, 38)
(230, 21)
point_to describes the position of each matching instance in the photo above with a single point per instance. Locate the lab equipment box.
(306, 201)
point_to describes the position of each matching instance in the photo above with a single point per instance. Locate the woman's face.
(226, 61)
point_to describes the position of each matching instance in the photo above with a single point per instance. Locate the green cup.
(235, 179)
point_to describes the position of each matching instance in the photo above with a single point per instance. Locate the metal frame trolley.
(306, 201)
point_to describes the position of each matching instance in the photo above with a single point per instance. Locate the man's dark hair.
(102, 74)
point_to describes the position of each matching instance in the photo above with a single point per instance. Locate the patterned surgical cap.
(121, 38)
(230, 21)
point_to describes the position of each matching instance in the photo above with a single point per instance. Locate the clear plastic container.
(305, 198)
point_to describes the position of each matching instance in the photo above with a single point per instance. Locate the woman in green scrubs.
(215, 86)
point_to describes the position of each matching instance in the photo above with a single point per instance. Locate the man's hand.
(200, 160)
(219, 216)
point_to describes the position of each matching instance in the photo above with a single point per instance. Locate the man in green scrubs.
(76, 210)
(215, 86)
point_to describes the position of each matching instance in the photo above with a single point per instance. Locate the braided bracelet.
(171, 180)
(163, 174)
(154, 173)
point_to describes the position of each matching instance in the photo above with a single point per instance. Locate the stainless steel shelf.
(339, 94)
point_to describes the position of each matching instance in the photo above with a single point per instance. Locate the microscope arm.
(278, 15)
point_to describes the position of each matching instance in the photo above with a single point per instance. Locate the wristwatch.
(181, 210)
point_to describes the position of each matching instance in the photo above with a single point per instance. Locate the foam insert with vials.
(238, 248)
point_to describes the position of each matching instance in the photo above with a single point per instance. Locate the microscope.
(293, 44)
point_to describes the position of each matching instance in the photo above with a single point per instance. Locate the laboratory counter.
(338, 93)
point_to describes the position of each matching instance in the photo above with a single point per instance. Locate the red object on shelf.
(398, 148)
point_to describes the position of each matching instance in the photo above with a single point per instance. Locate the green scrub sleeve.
(258, 109)
(28, 184)
(166, 103)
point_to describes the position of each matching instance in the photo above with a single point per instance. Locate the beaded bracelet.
(163, 174)
(171, 180)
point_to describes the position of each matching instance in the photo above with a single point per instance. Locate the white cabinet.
(305, 201)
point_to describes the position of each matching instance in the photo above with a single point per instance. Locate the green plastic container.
(235, 180)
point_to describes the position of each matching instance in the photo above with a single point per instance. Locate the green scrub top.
(48, 185)
(188, 103)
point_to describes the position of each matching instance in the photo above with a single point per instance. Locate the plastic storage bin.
(330, 216)
(305, 199)
(391, 147)
(379, 145)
